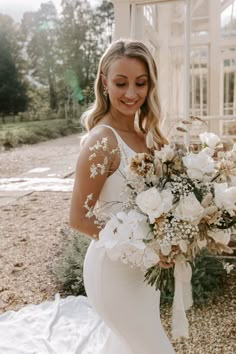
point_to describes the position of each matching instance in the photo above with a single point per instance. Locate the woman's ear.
(104, 80)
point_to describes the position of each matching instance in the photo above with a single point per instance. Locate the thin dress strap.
(118, 138)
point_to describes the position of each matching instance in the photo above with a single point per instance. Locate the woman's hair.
(150, 112)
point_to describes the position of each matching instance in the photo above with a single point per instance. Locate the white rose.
(165, 154)
(225, 197)
(189, 208)
(154, 203)
(198, 164)
(210, 139)
(220, 236)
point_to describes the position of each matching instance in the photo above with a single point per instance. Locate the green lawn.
(14, 134)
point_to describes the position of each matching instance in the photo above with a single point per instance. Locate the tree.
(40, 32)
(85, 32)
(13, 97)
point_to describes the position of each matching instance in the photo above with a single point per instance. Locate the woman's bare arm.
(85, 185)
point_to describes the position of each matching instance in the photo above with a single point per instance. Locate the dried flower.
(142, 164)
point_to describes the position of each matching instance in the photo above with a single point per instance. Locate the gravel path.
(56, 153)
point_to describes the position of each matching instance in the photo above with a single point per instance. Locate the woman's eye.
(141, 83)
(120, 84)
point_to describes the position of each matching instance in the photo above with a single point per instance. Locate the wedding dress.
(118, 293)
(120, 315)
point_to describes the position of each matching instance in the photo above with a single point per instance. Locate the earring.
(105, 92)
(149, 140)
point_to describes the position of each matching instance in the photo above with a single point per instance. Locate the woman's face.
(127, 83)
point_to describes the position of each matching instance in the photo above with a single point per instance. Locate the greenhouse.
(194, 43)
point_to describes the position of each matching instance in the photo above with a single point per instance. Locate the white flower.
(137, 222)
(108, 235)
(228, 267)
(165, 154)
(154, 203)
(210, 139)
(225, 197)
(198, 164)
(220, 236)
(93, 170)
(123, 236)
(189, 208)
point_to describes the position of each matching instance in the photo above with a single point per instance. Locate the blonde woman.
(127, 112)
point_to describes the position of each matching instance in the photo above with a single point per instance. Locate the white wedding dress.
(120, 315)
(118, 293)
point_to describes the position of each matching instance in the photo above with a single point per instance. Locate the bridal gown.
(119, 316)
(118, 293)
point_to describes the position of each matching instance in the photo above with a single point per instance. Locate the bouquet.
(178, 202)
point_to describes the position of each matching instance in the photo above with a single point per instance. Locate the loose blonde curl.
(150, 112)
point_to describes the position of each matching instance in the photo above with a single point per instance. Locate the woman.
(125, 89)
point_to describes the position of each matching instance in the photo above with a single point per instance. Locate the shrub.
(12, 135)
(208, 279)
(69, 268)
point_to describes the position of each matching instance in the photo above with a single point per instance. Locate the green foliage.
(69, 268)
(208, 279)
(45, 48)
(13, 96)
(39, 30)
(12, 135)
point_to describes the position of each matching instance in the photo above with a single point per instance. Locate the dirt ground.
(30, 243)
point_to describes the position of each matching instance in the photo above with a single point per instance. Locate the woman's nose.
(131, 92)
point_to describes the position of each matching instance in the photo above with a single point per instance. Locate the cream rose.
(198, 164)
(154, 203)
(225, 197)
(189, 208)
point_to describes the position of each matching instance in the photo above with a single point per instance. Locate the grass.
(15, 134)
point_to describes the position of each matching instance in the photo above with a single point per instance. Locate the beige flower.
(142, 164)
(212, 214)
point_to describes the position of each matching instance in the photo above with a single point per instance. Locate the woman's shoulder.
(98, 134)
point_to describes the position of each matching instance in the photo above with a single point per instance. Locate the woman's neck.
(121, 122)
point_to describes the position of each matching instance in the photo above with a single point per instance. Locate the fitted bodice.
(113, 188)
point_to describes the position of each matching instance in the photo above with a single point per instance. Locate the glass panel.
(199, 81)
(228, 127)
(200, 18)
(164, 33)
(228, 18)
(229, 80)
